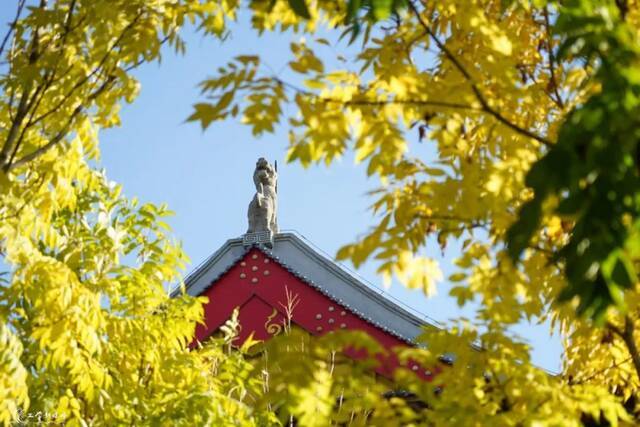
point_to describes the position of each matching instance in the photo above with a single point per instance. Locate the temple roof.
(316, 269)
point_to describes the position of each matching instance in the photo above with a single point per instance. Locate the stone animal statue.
(264, 206)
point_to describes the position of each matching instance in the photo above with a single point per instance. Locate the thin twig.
(26, 200)
(12, 26)
(469, 221)
(420, 102)
(48, 80)
(552, 62)
(627, 336)
(377, 103)
(109, 80)
(21, 113)
(143, 60)
(601, 371)
(613, 328)
(59, 137)
(93, 72)
(25, 102)
(34, 102)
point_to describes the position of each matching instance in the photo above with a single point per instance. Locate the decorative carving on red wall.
(270, 298)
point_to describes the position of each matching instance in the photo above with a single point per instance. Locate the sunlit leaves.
(88, 324)
(88, 330)
(592, 170)
(488, 88)
(305, 61)
(13, 377)
(261, 108)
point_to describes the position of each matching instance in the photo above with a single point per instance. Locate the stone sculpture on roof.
(264, 205)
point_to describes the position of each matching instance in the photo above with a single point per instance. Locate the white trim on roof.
(319, 271)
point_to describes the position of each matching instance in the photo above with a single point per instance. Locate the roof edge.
(371, 290)
(376, 295)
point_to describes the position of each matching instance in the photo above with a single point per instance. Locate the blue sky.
(205, 177)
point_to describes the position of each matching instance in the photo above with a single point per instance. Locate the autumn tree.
(88, 332)
(531, 108)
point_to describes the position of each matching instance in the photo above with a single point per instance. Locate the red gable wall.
(261, 287)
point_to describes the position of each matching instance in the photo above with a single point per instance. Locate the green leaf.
(618, 270)
(352, 9)
(300, 8)
(520, 233)
(381, 9)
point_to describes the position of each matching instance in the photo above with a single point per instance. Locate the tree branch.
(93, 72)
(378, 103)
(613, 328)
(478, 94)
(7, 164)
(632, 346)
(601, 371)
(26, 199)
(472, 222)
(52, 143)
(623, 8)
(49, 78)
(33, 106)
(426, 103)
(12, 26)
(59, 137)
(63, 132)
(552, 64)
(25, 103)
(21, 113)
(627, 336)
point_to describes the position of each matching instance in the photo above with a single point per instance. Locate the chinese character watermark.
(37, 418)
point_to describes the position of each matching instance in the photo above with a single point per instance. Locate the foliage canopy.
(88, 332)
(531, 110)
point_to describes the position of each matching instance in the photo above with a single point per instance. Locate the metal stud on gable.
(332, 297)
